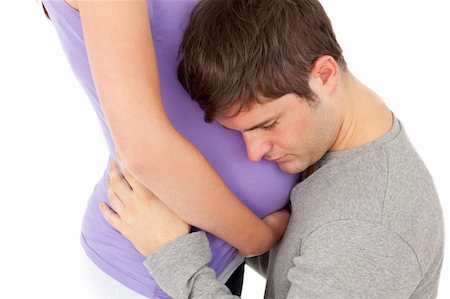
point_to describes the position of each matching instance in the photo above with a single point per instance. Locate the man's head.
(248, 61)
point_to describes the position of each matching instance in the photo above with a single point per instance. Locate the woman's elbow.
(133, 160)
(137, 154)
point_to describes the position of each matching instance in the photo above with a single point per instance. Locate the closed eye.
(271, 126)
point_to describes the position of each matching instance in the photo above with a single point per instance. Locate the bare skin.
(139, 211)
(293, 134)
(129, 93)
(72, 3)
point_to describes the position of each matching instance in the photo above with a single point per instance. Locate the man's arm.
(180, 269)
(342, 259)
(354, 259)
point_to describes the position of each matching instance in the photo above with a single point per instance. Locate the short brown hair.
(237, 52)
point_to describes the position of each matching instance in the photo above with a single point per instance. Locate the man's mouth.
(279, 159)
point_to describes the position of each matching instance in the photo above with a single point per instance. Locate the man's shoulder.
(389, 187)
(343, 189)
(377, 184)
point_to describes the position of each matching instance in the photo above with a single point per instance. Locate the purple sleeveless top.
(261, 186)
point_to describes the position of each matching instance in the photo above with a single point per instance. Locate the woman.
(124, 53)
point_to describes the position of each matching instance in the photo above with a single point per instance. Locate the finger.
(118, 158)
(112, 218)
(114, 169)
(114, 173)
(119, 185)
(131, 179)
(119, 163)
(117, 172)
(115, 200)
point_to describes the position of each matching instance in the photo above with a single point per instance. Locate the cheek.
(295, 137)
(286, 143)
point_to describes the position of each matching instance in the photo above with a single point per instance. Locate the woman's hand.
(149, 224)
(278, 222)
(139, 215)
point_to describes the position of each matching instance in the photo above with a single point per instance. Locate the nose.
(256, 147)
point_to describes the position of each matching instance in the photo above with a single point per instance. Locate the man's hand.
(139, 215)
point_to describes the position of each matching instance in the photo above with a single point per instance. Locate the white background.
(52, 149)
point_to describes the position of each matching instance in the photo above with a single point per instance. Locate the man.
(365, 219)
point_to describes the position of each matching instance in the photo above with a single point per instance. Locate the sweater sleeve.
(354, 259)
(180, 269)
(341, 259)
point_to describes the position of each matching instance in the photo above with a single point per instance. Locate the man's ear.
(324, 75)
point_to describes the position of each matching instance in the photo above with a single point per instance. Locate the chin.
(291, 168)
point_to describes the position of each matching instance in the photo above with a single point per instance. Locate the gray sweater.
(366, 224)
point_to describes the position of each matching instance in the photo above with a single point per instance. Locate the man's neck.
(365, 117)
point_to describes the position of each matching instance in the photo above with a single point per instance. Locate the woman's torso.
(261, 186)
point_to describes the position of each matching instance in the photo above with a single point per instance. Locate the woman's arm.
(146, 221)
(159, 234)
(123, 64)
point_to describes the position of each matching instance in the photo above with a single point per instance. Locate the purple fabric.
(261, 186)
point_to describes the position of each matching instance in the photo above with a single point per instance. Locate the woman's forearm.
(182, 178)
(124, 68)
